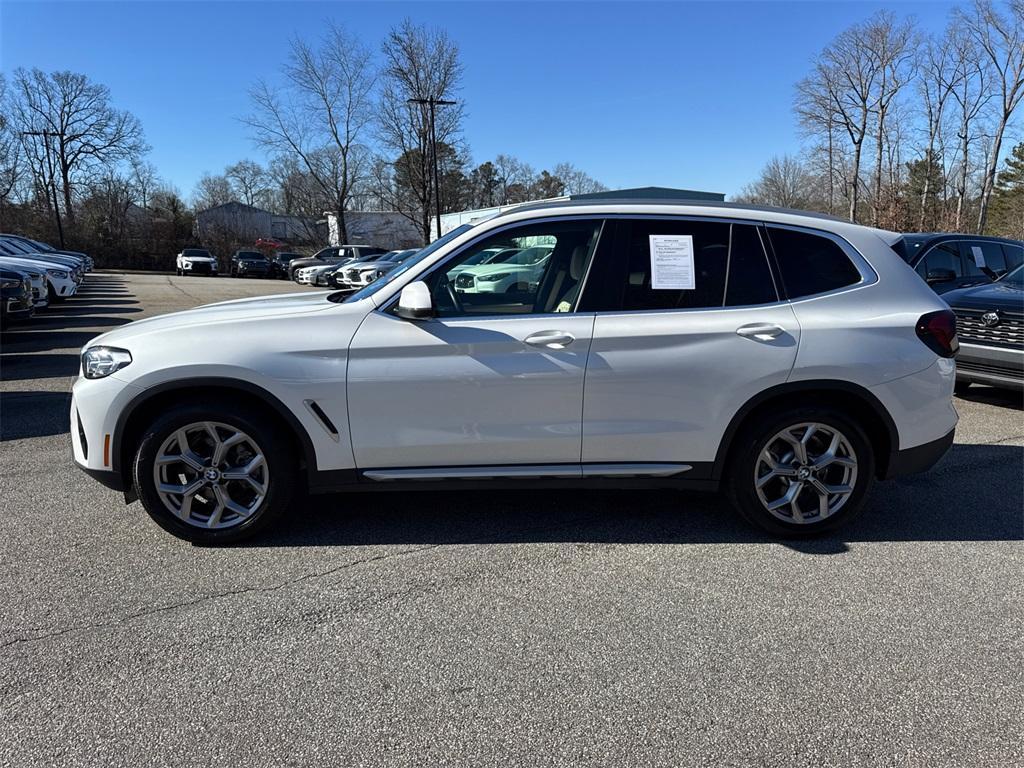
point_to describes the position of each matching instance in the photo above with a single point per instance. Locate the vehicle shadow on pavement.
(33, 414)
(16, 367)
(1004, 398)
(974, 494)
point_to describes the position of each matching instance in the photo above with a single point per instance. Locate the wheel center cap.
(803, 473)
(211, 474)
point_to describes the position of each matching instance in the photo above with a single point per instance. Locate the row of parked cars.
(34, 274)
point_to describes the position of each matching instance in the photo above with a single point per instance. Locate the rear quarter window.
(810, 264)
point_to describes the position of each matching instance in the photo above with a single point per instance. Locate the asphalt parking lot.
(523, 628)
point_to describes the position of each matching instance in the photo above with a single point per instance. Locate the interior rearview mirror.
(940, 275)
(415, 302)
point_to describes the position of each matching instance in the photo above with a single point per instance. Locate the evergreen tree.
(1007, 217)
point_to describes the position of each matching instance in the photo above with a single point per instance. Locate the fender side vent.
(325, 421)
(81, 437)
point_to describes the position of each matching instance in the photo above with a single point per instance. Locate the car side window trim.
(388, 307)
(868, 276)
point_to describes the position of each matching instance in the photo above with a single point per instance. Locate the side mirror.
(941, 275)
(415, 302)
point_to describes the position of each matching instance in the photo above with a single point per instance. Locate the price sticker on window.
(672, 263)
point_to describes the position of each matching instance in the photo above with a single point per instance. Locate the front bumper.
(199, 268)
(997, 366)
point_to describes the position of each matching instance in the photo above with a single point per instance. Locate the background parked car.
(279, 263)
(335, 254)
(44, 248)
(365, 272)
(15, 296)
(949, 261)
(37, 280)
(14, 247)
(195, 261)
(249, 264)
(60, 280)
(990, 325)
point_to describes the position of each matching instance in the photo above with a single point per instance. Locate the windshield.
(408, 264)
(250, 255)
(1014, 278)
(195, 253)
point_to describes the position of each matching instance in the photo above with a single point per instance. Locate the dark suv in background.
(279, 263)
(950, 261)
(249, 264)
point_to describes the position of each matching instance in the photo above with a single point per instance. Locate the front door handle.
(550, 339)
(761, 331)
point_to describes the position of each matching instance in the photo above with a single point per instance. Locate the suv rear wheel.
(214, 474)
(801, 472)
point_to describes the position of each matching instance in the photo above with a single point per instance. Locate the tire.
(747, 462)
(276, 475)
(961, 387)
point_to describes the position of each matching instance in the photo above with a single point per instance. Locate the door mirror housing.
(940, 275)
(415, 302)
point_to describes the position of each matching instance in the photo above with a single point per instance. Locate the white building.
(384, 229)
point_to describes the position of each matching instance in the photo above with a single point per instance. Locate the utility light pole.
(433, 103)
(53, 184)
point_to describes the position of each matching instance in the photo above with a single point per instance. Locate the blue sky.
(694, 95)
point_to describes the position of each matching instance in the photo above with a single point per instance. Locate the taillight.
(938, 331)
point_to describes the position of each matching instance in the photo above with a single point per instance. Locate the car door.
(492, 379)
(682, 342)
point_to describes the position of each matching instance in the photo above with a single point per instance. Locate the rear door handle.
(761, 331)
(550, 339)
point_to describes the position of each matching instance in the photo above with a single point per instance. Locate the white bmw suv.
(788, 359)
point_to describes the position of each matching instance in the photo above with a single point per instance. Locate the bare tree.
(968, 80)
(249, 181)
(1000, 39)
(419, 63)
(784, 182)
(937, 79)
(81, 127)
(321, 116)
(11, 161)
(211, 191)
(891, 46)
(841, 91)
(577, 182)
(515, 179)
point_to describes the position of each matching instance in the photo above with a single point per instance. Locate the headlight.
(494, 278)
(186, 265)
(60, 274)
(4, 283)
(98, 362)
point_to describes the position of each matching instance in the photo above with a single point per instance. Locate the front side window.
(941, 263)
(810, 264)
(532, 269)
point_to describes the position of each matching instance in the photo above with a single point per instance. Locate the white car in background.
(37, 278)
(518, 272)
(195, 261)
(307, 275)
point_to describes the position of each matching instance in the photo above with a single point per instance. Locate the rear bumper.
(920, 458)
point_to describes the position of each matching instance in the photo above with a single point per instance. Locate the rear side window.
(992, 254)
(730, 267)
(811, 264)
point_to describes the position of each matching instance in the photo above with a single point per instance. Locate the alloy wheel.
(805, 473)
(211, 475)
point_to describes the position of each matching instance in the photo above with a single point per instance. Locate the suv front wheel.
(213, 474)
(801, 472)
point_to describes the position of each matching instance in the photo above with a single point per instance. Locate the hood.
(988, 296)
(226, 311)
(198, 258)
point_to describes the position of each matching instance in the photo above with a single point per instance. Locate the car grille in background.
(990, 368)
(463, 281)
(1009, 332)
(351, 274)
(200, 266)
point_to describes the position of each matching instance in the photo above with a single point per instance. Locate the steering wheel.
(453, 295)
